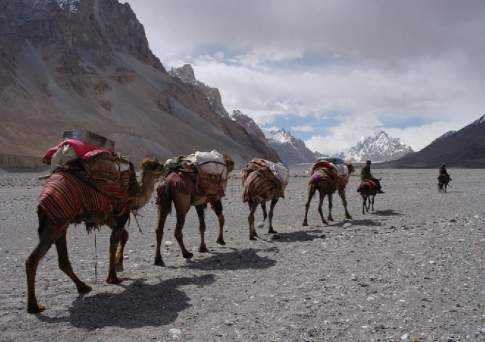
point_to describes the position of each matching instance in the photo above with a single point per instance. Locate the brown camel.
(260, 186)
(82, 201)
(181, 189)
(368, 190)
(325, 180)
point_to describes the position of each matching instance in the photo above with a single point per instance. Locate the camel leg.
(45, 242)
(162, 217)
(201, 214)
(218, 210)
(271, 208)
(182, 206)
(65, 265)
(320, 203)
(341, 192)
(116, 233)
(311, 192)
(373, 198)
(364, 200)
(330, 206)
(121, 250)
(265, 212)
(252, 231)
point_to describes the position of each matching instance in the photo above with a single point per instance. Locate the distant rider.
(366, 174)
(444, 173)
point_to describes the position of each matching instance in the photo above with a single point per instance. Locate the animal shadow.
(388, 212)
(297, 236)
(235, 260)
(359, 222)
(139, 305)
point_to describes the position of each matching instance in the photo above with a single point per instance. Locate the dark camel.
(48, 235)
(327, 185)
(443, 181)
(368, 190)
(183, 202)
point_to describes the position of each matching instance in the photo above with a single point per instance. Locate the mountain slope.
(464, 148)
(378, 147)
(290, 149)
(87, 64)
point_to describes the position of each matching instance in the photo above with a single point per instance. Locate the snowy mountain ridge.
(379, 147)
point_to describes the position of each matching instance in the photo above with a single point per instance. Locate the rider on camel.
(444, 173)
(366, 174)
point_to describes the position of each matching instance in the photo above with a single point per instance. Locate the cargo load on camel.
(86, 177)
(263, 176)
(204, 173)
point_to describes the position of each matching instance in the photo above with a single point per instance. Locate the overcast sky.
(332, 71)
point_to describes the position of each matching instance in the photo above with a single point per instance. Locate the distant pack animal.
(327, 177)
(196, 180)
(443, 182)
(368, 190)
(263, 181)
(88, 191)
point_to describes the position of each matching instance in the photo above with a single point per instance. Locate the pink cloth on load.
(83, 150)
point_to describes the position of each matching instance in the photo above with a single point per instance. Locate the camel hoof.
(187, 255)
(35, 308)
(83, 289)
(253, 237)
(203, 249)
(272, 231)
(305, 224)
(159, 262)
(113, 280)
(330, 218)
(348, 217)
(119, 268)
(221, 242)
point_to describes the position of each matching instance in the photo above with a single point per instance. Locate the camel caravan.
(89, 183)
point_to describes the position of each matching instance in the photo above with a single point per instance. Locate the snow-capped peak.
(378, 147)
(278, 135)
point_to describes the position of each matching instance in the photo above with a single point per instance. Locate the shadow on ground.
(235, 260)
(298, 236)
(388, 212)
(139, 305)
(359, 222)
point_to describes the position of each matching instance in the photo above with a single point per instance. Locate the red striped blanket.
(258, 186)
(65, 199)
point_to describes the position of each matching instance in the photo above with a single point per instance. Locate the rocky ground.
(413, 269)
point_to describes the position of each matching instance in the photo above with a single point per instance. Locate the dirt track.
(413, 268)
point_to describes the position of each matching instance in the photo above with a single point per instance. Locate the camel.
(260, 186)
(81, 198)
(368, 191)
(325, 180)
(443, 181)
(184, 195)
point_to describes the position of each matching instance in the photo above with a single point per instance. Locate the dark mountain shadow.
(139, 305)
(235, 260)
(297, 236)
(388, 212)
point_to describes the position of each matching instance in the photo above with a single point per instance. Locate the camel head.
(152, 166)
(229, 163)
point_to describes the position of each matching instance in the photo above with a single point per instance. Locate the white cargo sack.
(280, 171)
(211, 163)
(342, 170)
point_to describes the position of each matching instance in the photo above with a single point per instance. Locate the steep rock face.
(249, 124)
(290, 149)
(87, 64)
(378, 147)
(463, 148)
(186, 74)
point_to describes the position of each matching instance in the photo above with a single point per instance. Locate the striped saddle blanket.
(259, 182)
(65, 198)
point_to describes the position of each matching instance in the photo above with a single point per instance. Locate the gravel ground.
(413, 269)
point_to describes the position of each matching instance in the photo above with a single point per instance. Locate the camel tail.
(164, 197)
